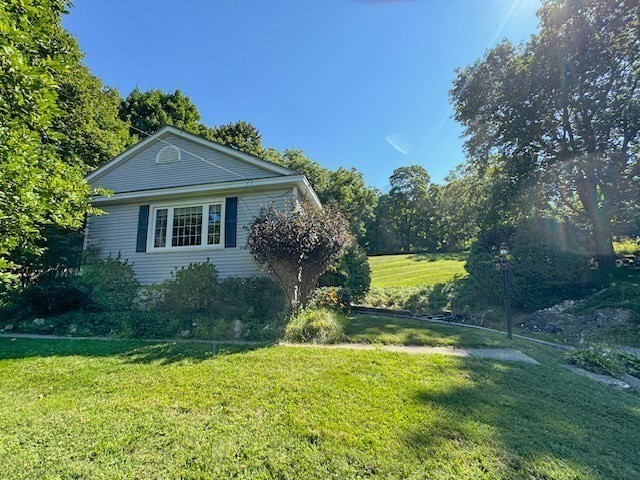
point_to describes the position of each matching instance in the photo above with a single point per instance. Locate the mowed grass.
(416, 269)
(87, 409)
(407, 331)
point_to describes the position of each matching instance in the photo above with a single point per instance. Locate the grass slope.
(406, 331)
(122, 409)
(415, 269)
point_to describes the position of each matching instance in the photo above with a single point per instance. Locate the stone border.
(606, 379)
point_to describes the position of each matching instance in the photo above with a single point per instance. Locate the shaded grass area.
(90, 409)
(406, 331)
(416, 269)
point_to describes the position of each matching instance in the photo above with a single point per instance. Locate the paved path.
(36, 336)
(506, 354)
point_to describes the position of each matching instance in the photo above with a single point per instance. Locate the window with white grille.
(182, 226)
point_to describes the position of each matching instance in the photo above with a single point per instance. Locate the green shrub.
(49, 296)
(631, 363)
(627, 246)
(597, 360)
(141, 324)
(106, 285)
(190, 289)
(258, 298)
(333, 298)
(352, 271)
(196, 288)
(550, 262)
(484, 283)
(316, 326)
(389, 297)
(434, 299)
(154, 325)
(110, 285)
(618, 295)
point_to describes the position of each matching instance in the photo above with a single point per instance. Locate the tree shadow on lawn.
(435, 257)
(539, 422)
(374, 329)
(131, 351)
(167, 353)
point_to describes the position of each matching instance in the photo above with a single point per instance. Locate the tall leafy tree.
(239, 135)
(91, 131)
(295, 159)
(380, 237)
(37, 187)
(347, 191)
(410, 207)
(151, 110)
(563, 109)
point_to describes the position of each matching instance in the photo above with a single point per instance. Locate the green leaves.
(38, 186)
(298, 245)
(561, 114)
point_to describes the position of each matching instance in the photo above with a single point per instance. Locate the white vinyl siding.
(115, 232)
(141, 172)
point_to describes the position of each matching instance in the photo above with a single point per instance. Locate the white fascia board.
(309, 191)
(191, 190)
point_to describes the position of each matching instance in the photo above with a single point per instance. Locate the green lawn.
(401, 331)
(415, 269)
(125, 409)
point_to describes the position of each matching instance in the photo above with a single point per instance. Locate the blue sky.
(360, 83)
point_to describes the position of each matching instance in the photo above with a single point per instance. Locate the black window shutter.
(230, 222)
(143, 222)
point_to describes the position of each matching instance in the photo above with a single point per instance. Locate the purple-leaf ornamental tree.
(297, 246)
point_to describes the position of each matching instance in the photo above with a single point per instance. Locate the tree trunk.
(605, 255)
(600, 219)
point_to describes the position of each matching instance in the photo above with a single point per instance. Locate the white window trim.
(151, 228)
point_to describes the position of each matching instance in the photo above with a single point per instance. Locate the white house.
(179, 198)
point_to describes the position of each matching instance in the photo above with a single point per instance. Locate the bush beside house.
(106, 299)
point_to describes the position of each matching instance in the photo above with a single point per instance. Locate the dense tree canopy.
(562, 111)
(146, 112)
(239, 135)
(405, 217)
(151, 110)
(38, 186)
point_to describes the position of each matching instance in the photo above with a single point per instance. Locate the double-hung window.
(183, 226)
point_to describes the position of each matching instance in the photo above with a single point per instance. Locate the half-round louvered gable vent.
(168, 154)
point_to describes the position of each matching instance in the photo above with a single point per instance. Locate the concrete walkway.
(35, 336)
(505, 354)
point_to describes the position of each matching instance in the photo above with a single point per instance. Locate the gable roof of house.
(157, 136)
